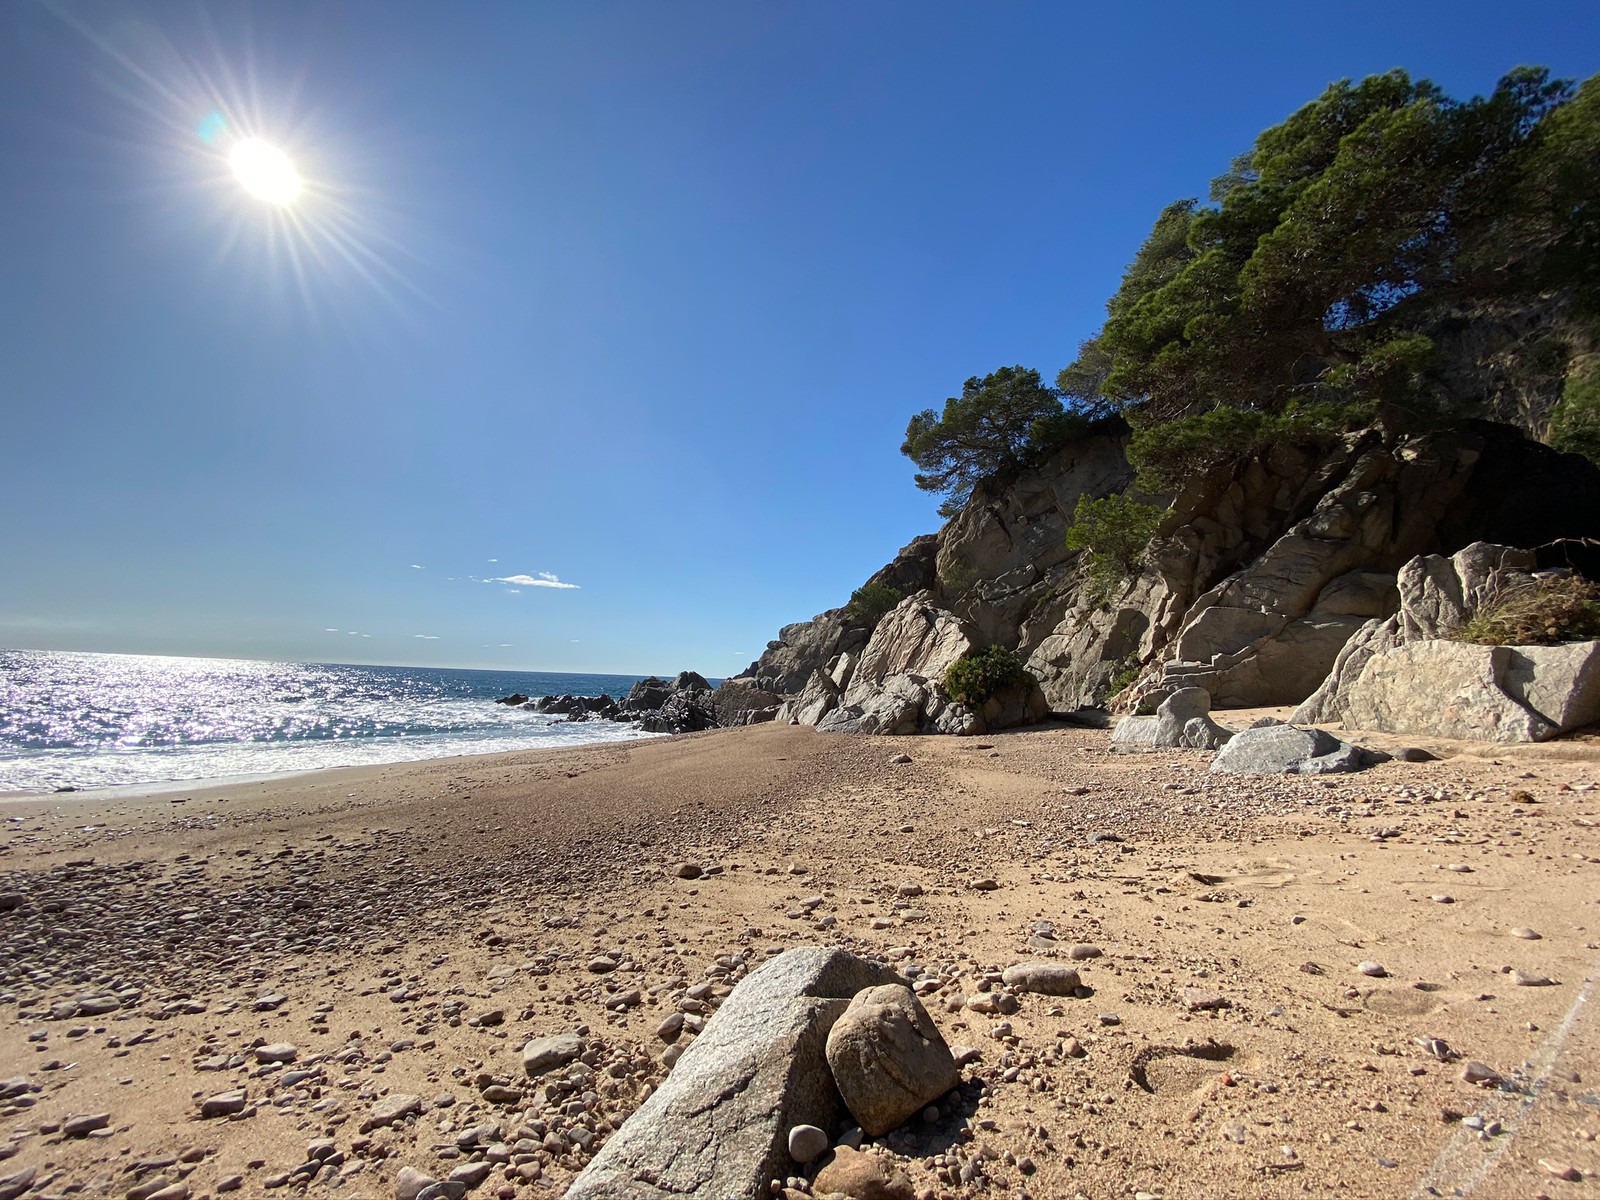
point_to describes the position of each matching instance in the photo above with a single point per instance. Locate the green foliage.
(1535, 612)
(1575, 427)
(1167, 453)
(998, 424)
(974, 679)
(871, 601)
(1334, 251)
(1114, 528)
(1125, 676)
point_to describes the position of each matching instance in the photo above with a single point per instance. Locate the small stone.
(601, 965)
(1481, 1074)
(1561, 1170)
(984, 885)
(1043, 978)
(409, 1182)
(1374, 969)
(1081, 952)
(900, 759)
(223, 1104)
(687, 870)
(1441, 898)
(1531, 979)
(84, 1124)
(396, 1107)
(276, 1052)
(230, 1183)
(1526, 934)
(807, 1142)
(1201, 1000)
(546, 1053)
(471, 1174)
(861, 1176)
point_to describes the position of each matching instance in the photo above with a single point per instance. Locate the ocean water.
(108, 720)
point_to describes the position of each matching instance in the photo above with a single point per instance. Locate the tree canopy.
(1342, 256)
(1386, 254)
(998, 424)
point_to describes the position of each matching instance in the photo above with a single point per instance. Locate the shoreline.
(408, 926)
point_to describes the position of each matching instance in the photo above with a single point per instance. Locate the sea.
(70, 720)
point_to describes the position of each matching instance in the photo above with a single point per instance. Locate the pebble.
(546, 1053)
(1081, 952)
(900, 759)
(601, 965)
(1526, 934)
(1044, 978)
(1374, 969)
(223, 1104)
(687, 870)
(84, 1124)
(276, 1052)
(985, 884)
(1441, 898)
(1531, 979)
(1480, 1073)
(1201, 1000)
(807, 1142)
(392, 1108)
(1561, 1170)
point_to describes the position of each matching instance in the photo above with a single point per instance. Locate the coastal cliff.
(1258, 574)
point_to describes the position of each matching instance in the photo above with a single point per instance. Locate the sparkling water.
(103, 720)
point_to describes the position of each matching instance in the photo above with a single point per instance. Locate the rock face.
(1400, 675)
(1181, 722)
(888, 1058)
(1481, 693)
(719, 1125)
(1259, 576)
(894, 684)
(1287, 750)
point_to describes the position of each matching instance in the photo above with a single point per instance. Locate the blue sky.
(638, 296)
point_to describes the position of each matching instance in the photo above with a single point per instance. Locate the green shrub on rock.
(974, 679)
(871, 601)
(1116, 531)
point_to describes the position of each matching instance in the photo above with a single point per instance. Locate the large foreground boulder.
(719, 1125)
(888, 1058)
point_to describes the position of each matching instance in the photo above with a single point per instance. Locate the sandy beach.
(342, 968)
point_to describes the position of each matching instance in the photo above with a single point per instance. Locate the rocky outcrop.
(719, 1125)
(1403, 675)
(1259, 575)
(806, 647)
(1480, 693)
(1288, 750)
(895, 684)
(1435, 595)
(1180, 722)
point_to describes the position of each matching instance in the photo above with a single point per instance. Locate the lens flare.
(265, 171)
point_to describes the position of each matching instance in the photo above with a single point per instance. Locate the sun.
(265, 171)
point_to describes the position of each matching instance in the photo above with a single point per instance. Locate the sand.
(405, 929)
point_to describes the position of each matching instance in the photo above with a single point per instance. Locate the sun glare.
(265, 171)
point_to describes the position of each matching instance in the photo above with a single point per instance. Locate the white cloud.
(544, 580)
(505, 645)
(427, 637)
(494, 560)
(418, 567)
(333, 631)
